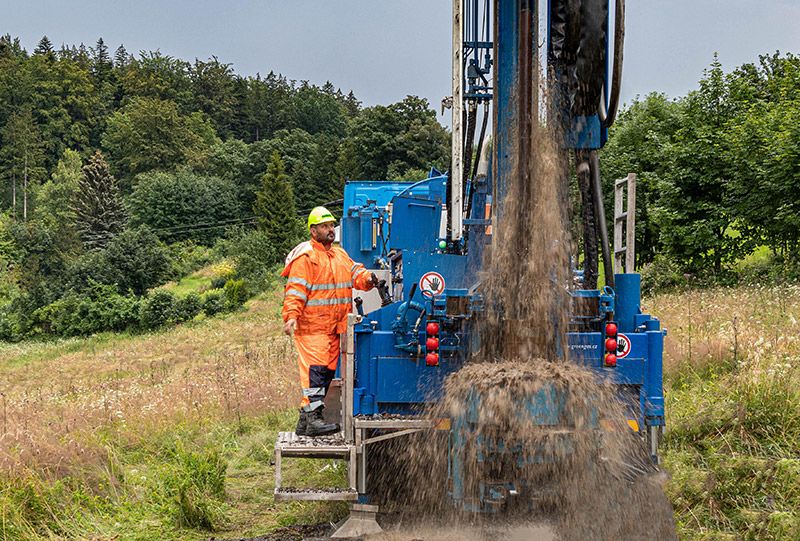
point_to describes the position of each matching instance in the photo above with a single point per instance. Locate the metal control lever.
(383, 291)
(359, 302)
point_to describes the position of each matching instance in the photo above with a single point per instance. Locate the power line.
(247, 218)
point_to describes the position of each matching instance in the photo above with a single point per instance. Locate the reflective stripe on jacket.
(319, 288)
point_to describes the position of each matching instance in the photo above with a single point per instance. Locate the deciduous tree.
(185, 205)
(22, 155)
(150, 134)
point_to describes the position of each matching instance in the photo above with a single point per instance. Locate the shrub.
(662, 274)
(221, 273)
(25, 305)
(157, 309)
(9, 326)
(187, 257)
(218, 282)
(135, 260)
(235, 293)
(188, 306)
(768, 268)
(214, 302)
(100, 308)
(255, 258)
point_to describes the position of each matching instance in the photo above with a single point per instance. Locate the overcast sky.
(386, 49)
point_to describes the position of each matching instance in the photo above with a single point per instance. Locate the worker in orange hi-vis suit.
(316, 301)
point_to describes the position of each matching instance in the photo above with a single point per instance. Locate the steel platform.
(315, 494)
(290, 445)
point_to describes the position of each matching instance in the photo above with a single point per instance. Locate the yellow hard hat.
(320, 215)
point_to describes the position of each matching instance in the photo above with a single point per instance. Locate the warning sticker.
(623, 346)
(432, 282)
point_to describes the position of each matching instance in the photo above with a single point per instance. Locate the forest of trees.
(119, 171)
(718, 171)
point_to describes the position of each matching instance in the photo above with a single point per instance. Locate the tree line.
(718, 171)
(105, 158)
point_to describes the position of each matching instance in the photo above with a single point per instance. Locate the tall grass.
(732, 385)
(132, 436)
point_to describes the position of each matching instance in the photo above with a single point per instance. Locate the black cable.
(207, 223)
(478, 154)
(608, 115)
(470, 140)
(600, 215)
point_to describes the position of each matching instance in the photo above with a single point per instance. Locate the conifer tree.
(274, 207)
(101, 60)
(98, 206)
(45, 46)
(121, 57)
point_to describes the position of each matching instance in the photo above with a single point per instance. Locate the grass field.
(169, 435)
(732, 385)
(156, 436)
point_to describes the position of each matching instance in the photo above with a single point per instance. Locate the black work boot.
(302, 422)
(316, 425)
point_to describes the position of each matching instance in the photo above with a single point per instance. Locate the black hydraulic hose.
(607, 115)
(480, 139)
(608, 263)
(478, 154)
(590, 235)
(470, 140)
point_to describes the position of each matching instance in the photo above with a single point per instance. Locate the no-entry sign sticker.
(432, 282)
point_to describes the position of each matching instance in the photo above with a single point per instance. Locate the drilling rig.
(427, 243)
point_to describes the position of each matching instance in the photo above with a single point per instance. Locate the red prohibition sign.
(623, 346)
(433, 282)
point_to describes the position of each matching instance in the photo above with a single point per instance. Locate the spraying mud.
(550, 440)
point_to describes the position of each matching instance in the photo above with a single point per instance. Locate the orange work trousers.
(318, 356)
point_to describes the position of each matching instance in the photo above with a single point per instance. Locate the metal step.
(395, 423)
(315, 494)
(290, 444)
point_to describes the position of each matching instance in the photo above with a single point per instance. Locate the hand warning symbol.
(432, 282)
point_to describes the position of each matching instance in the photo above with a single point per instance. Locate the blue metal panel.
(585, 348)
(386, 380)
(629, 293)
(357, 193)
(403, 380)
(366, 218)
(654, 386)
(585, 132)
(450, 266)
(544, 407)
(351, 241)
(415, 223)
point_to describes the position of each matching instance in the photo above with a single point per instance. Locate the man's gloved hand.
(290, 327)
(373, 280)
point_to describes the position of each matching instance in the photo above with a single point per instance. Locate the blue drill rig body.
(427, 240)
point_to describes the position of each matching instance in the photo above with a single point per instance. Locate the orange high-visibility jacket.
(319, 289)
